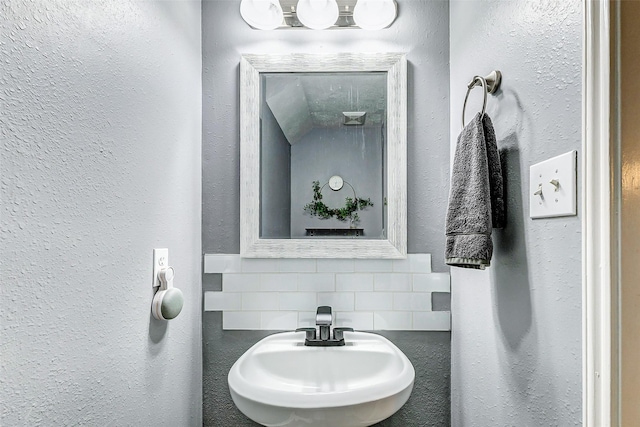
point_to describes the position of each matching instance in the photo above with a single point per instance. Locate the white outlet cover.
(554, 202)
(160, 261)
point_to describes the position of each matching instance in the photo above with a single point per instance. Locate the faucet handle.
(338, 333)
(310, 333)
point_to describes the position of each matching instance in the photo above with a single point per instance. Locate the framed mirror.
(323, 156)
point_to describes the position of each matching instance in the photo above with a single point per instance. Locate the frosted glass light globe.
(262, 14)
(317, 14)
(374, 14)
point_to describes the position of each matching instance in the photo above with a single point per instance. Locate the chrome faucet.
(324, 319)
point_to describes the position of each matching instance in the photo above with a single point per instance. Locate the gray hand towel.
(476, 201)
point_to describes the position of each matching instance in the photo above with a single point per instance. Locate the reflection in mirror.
(322, 155)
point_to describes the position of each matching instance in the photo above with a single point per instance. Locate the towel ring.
(489, 84)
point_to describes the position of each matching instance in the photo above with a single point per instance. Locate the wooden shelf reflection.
(335, 232)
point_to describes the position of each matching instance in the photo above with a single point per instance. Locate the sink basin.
(281, 382)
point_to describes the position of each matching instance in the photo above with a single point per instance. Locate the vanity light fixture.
(262, 14)
(374, 14)
(318, 14)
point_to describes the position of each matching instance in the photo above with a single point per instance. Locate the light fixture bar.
(345, 17)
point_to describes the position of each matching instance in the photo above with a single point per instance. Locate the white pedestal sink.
(281, 382)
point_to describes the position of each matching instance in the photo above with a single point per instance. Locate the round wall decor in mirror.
(336, 182)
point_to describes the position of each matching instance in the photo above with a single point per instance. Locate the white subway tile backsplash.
(373, 265)
(279, 320)
(260, 301)
(392, 282)
(401, 265)
(218, 263)
(335, 266)
(222, 301)
(298, 301)
(434, 282)
(420, 263)
(411, 301)
(354, 282)
(392, 320)
(371, 301)
(414, 263)
(283, 294)
(240, 282)
(249, 320)
(358, 320)
(321, 282)
(306, 319)
(432, 321)
(278, 282)
(339, 301)
(259, 265)
(297, 265)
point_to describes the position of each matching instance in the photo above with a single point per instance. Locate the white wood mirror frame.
(395, 244)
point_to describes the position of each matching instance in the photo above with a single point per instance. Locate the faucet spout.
(324, 319)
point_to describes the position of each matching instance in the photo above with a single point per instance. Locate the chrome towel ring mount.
(490, 83)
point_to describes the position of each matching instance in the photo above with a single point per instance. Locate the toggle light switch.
(552, 187)
(538, 192)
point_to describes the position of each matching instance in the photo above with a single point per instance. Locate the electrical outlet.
(160, 261)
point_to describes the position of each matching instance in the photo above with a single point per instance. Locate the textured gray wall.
(516, 339)
(101, 154)
(429, 353)
(275, 178)
(354, 153)
(421, 30)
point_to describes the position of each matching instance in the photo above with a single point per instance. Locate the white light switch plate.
(553, 202)
(160, 261)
